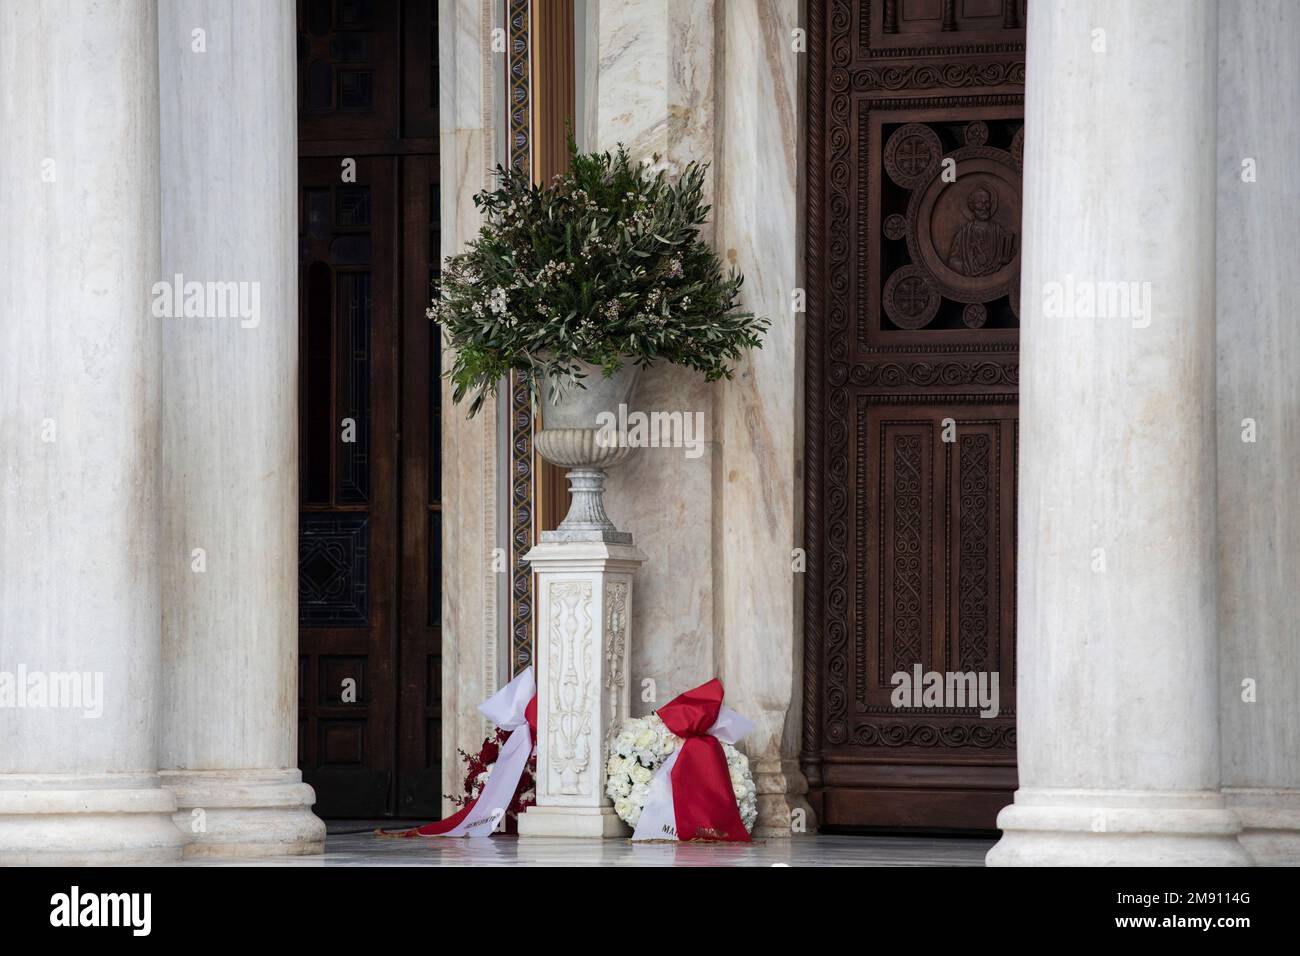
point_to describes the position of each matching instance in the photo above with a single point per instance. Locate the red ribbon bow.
(703, 801)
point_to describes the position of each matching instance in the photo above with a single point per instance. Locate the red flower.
(476, 764)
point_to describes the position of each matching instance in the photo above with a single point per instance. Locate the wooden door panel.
(347, 527)
(419, 791)
(909, 282)
(348, 69)
(930, 524)
(370, 521)
(914, 168)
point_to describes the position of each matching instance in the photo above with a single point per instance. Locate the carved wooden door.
(914, 168)
(369, 563)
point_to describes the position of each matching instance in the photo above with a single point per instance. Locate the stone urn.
(572, 437)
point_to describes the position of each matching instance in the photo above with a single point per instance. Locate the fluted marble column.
(1118, 637)
(229, 454)
(1259, 406)
(79, 364)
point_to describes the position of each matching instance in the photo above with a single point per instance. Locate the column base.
(590, 822)
(77, 820)
(1270, 823)
(237, 813)
(783, 809)
(1117, 828)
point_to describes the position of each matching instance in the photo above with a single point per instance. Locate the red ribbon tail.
(437, 828)
(703, 801)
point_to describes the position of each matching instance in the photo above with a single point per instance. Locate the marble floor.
(364, 849)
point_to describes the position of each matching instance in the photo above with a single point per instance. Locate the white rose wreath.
(637, 750)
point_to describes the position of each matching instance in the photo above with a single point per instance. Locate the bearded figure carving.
(981, 246)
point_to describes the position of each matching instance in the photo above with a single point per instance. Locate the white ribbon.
(659, 815)
(505, 708)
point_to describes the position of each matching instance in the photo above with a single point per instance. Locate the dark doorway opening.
(369, 571)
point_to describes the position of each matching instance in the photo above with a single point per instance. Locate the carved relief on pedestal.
(615, 653)
(571, 690)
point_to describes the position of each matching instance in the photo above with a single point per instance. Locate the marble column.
(758, 495)
(1259, 422)
(79, 372)
(470, 97)
(229, 449)
(1118, 634)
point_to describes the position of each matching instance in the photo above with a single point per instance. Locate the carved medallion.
(974, 316)
(976, 133)
(895, 226)
(911, 302)
(1018, 149)
(912, 155)
(966, 233)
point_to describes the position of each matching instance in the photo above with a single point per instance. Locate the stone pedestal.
(1270, 820)
(584, 602)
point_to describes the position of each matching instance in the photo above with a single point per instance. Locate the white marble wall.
(1258, 354)
(691, 79)
(650, 77)
(470, 106)
(649, 73)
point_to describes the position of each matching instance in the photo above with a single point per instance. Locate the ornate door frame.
(522, 463)
(540, 103)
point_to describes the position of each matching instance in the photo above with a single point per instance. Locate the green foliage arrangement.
(604, 265)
